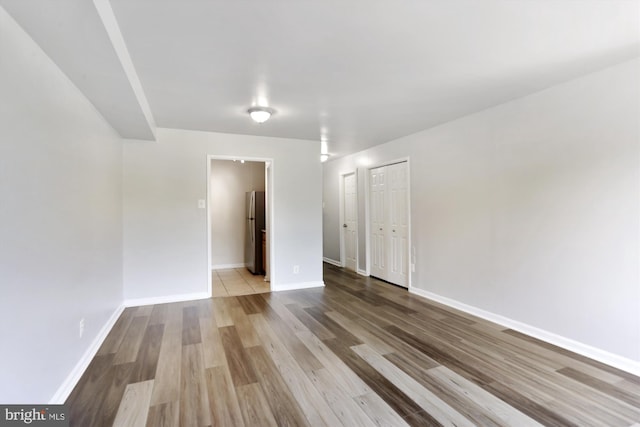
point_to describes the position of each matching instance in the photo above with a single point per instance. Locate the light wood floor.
(358, 352)
(237, 281)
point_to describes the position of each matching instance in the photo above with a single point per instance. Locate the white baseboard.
(594, 353)
(296, 286)
(362, 273)
(332, 262)
(135, 302)
(72, 379)
(227, 266)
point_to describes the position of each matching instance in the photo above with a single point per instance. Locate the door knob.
(344, 225)
(381, 229)
(393, 231)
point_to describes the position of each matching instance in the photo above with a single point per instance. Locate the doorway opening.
(239, 222)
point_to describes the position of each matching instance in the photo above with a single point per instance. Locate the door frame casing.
(367, 215)
(343, 258)
(269, 220)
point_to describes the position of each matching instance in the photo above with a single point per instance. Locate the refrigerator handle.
(252, 215)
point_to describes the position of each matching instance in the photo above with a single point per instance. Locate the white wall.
(229, 182)
(165, 246)
(529, 210)
(60, 221)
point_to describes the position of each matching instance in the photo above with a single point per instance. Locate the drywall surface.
(528, 210)
(61, 224)
(165, 246)
(230, 181)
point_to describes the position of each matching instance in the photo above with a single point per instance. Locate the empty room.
(337, 213)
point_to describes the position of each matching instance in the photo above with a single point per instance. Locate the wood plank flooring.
(359, 352)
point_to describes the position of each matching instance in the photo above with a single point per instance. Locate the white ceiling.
(356, 72)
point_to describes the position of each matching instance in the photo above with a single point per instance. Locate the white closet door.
(377, 218)
(349, 227)
(389, 222)
(398, 261)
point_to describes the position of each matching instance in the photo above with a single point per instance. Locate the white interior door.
(377, 222)
(389, 223)
(398, 218)
(350, 224)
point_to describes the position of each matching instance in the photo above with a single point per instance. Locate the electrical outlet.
(81, 327)
(296, 269)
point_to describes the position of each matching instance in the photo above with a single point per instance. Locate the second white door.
(350, 224)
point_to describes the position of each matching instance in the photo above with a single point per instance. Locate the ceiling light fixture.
(324, 149)
(260, 114)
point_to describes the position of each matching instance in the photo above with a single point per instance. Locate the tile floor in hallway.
(237, 281)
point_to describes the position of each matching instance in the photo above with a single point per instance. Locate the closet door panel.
(378, 216)
(398, 224)
(389, 217)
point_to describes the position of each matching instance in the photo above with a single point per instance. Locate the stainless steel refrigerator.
(255, 224)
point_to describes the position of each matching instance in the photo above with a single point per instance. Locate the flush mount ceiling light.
(260, 114)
